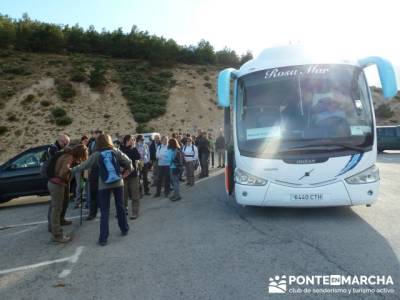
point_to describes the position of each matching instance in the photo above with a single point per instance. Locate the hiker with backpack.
(163, 158)
(191, 159)
(80, 180)
(62, 141)
(177, 161)
(109, 160)
(131, 183)
(59, 174)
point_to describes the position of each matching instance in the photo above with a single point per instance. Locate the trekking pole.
(81, 183)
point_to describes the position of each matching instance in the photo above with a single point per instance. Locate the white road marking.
(22, 231)
(34, 223)
(216, 173)
(64, 273)
(72, 259)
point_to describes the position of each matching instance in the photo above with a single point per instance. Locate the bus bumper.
(336, 194)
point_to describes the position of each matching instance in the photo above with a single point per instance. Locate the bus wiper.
(323, 146)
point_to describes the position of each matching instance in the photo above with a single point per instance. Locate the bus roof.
(293, 55)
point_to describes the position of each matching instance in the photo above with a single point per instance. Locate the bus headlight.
(367, 176)
(245, 178)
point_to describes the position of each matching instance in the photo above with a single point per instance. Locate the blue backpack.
(109, 167)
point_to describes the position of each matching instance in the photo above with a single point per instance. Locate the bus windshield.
(317, 108)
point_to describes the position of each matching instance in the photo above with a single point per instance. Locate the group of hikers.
(101, 167)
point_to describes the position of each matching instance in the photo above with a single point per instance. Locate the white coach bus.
(300, 129)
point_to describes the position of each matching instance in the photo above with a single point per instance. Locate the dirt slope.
(191, 103)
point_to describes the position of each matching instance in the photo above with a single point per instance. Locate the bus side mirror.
(224, 87)
(386, 74)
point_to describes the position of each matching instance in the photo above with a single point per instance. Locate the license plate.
(307, 197)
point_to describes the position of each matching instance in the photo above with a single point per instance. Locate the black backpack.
(44, 163)
(179, 159)
(51, 164)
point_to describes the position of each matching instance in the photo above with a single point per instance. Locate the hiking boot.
(102, 243)
(61, 239)
(175, 198)
(65, 222)
(134, 216)
(124, 233)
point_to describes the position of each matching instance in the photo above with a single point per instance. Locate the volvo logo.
(306, 174)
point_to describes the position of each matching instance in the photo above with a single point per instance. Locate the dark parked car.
(388, 137)
(20, 176)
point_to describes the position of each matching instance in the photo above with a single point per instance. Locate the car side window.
(28, 160)
(390, 132)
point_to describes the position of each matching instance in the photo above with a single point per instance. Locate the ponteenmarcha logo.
(277, 285)
(343, 284)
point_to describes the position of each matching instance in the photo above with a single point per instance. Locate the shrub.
(15, 69)
(45, 103)
(107, 116)
(58, 112)
(18, 132)
(384, 111)
(54, 62)
(166, 74)
(65, 89)
(208, 85)
(142, 128)
(201, 71)
(142, 117)
(28, 99)
(173, 82)
(97, 77)
(3, 130)
(146, 95)
(7, 92)
(206, 78)
(63, 121)
(78, 76)
(12, 118)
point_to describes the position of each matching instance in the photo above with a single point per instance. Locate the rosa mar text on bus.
(301, 129)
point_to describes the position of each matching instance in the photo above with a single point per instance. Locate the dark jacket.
(220, 142)
(92, 145)
(134, 155)
(53, 149)
(153, 150)
(203, 145)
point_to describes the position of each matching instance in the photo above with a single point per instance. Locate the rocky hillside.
(43, 95)
(387, 112)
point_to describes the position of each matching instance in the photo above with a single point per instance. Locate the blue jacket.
(163, 155)
(172, 154)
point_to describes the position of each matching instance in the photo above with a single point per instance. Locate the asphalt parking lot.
(203, 247)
